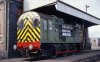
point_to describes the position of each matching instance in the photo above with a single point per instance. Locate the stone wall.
(2, 25)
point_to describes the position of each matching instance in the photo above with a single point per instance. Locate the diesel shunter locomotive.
(47, 35)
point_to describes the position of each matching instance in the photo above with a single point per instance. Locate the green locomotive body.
(56, 30)
(47, 35)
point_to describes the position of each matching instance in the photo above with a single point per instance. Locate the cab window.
(35, 22)
(21, 24)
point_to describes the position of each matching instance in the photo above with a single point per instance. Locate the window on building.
(0, 28)
(98, 41)
(0, 38)
(94, 42)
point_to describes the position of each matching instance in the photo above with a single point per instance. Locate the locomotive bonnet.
(28, 31)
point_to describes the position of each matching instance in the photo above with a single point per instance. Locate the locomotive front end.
(28, 32)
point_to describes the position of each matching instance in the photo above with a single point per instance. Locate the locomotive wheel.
(22, 53)
(64, 54)
(54, 56)
(39, 55)
(53, 52)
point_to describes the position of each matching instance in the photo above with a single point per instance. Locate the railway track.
(85, 56)
(88, 56)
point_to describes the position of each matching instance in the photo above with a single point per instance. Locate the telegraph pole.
(87, 7)
(85, 32)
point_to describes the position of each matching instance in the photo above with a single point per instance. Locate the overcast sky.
(94, 9)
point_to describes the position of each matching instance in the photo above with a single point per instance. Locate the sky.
(94, 9)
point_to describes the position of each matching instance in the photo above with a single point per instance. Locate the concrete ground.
(95, 47)
(14, 60)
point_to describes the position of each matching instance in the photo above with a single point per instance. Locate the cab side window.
(45, 24)
(50, 25)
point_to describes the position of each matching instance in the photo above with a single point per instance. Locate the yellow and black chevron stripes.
(28, 33)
